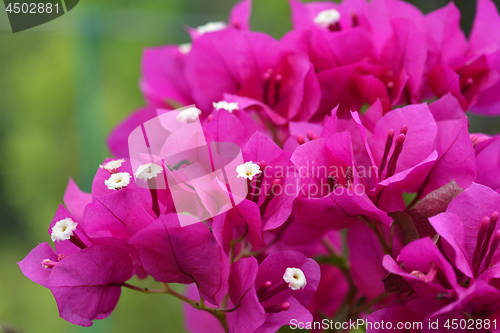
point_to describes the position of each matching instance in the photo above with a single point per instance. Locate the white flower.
(188, 114)
(327, 17)
(185, 48)
(148, 171)
(118, 180)
(112, 165)
(211, 27)
(248, 170)
(233, 106)
(295, 278)
(63, 230)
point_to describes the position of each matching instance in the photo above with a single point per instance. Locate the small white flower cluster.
(248, 170)
(63, 230)
(229, 106)
(327, 17)
(148, 171)
(185, 48)
(211, 27)
(188, 115)
(118, 180)
(295, 278)
(112, 166)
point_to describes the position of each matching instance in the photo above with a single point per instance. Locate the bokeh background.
(63, 86)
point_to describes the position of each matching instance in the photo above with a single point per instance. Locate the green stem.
(380, 237)
(219, 313)
(233, 243)
(369, 304)
(329, 246)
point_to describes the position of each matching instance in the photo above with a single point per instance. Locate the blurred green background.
(63, 86)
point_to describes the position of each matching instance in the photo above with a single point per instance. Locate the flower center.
(329, 18)
(118, 180)
(228, 106)
(334, 184)
(63, 230)
(112, 166)
(271, 87)
(248, 170)
(293, 278)
(188, 115)
(398, 148)
(185, 48)
(148, 171)
(486, 235)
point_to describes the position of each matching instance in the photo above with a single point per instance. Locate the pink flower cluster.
(353, 121)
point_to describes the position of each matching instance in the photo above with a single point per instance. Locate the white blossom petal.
(118, 180)
(295, 278)
(63, 230)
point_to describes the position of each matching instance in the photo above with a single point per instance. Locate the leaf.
(334, 261)
(396, 284)
(407, 225)
(432, 204)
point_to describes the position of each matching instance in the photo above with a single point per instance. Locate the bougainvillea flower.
(363, 49)
(346, 14)
(76, 200)
(239, 19)
(280, 82)
(293, 236)
(332, 289)
(236, 126)
(263, 299)
(380, 15)
(302, 132)
(163, 82)
(199, 321)
(244, 218)
(331, 194)
(488, 162)
(109, 220)
(171, 253)
(466, 83)
(118, 215)
(85, 284)
(155, 199)
(469, 227)
(451, 142)
(366, 255)
(478, 302)
(275, 199)
(271, 192)
(401, 162)
(79, 238)
(454, 147)
(426, 270)
(406, 51)
(475, 80)
(209, 83)
(118, 138)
